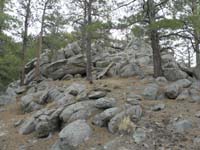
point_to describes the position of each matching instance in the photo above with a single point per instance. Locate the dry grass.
(126, 126)
(118, 87)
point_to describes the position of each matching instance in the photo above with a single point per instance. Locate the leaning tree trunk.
(25, 41)
(156, 53)
(40, 40)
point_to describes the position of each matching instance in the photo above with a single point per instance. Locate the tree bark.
(196, 40)
(25, 41)
(40, 40)
(89, 43)
(2, 5)
(154, 37)
(197, 68)
(156, 54)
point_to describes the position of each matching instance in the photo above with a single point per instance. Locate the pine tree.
(26, 6)
(92, 12)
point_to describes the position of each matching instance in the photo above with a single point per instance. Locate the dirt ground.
(10, 139)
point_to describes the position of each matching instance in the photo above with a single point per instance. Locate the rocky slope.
(123, 60)
(126, 110)
(112, 114)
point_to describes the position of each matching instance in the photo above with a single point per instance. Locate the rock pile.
(75, 108)
(124, 61)
(75, 104)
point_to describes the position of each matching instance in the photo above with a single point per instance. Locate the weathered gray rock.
(174, 74)
(82, 114)
(59, 55)
(196, 140)
(39, 113)
(102, 64)
(29, 102)
(129, 61)
(134, 96)
(133, 99)
(42, 118)
(28, 126)
(97, 94)
(195, 97)
(20, 89)
(182, 126)
(158, 107)
(25, 101)
(197, 114)
(67, 77)
(103, 118)
(72, 49)
(196, 85)
(184, 95)
(31, 90)
(5, 99)
(44, 85)
(104, 103)
(76, 76)
(172, 91)
(43, 99)
(167, 58)
(161, 96)
(18, 123)
(33, 107)
(161, 81)
(82, 97)
(44, 59)
(42, 129)
(139, 135)
(55, 95)
(75, 89)
(60, 68)
(70, 110)
(134, 112)
(183, 83)
(55, 70)
(29, 77)
(68, 99)
(61, 146)
(151, 92)
(11, 91)
(74, 134)
(30, 65)
(145, 60)
(131, 70)
(54, 119)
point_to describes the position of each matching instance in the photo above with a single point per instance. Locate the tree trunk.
(189, 58)
(89, 43)
(196, 40)
(197, 68)
(83, 29)
(2, 5)
(156, 54)
(154, 37)
(25, 41)
(37, 69)
(40, 40)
